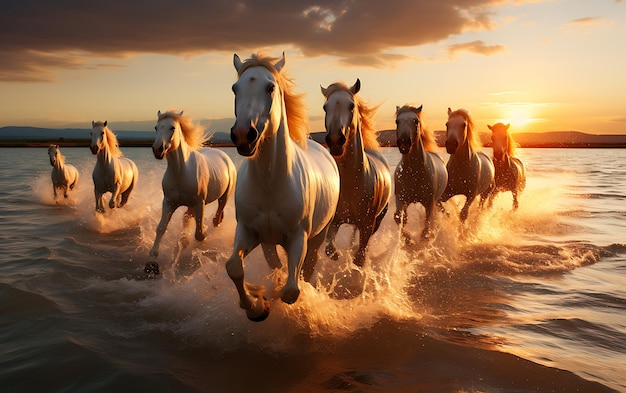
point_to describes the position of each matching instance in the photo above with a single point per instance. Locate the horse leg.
(331, 250)
(428, 207)
(297, 248)
(99, 201)
(379, 218)
(219, 213)
(114, 195)
(312, 256)
(271, 256)
(465, 210)
(198, 211)
(167, 211)
(257, 308)
(364, 238)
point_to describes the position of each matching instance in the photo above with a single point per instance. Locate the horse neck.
(104, 155)
(178, 157)
(417, 154)
(354, 153)
(59, 162)
(275, 153)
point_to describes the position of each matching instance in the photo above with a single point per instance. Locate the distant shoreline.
(42, 137)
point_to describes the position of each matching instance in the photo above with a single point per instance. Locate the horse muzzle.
(404, 145)
(245, 139)
(335, 143)
(158, 151)
(452, 146)
(94, 149)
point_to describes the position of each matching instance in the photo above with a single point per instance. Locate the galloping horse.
(470, 171)
(287, 188)
(112, 173)
(510, 174)
(421, 175)
(194, 176)
(64, 176)
(364, 172)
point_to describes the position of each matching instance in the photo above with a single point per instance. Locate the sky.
(540, 65)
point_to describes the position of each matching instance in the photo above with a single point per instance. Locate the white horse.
(112, 173)
(194, 176)
(470, 171)
(64, 176)
(510, 174)
(421, 176)
(287, 188)
(364, 172)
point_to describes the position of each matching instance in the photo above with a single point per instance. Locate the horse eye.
(234, 89)
(352, 106)
(155, 128)
(397, 122)
(172, 128)
(324, 108)
(270, 89)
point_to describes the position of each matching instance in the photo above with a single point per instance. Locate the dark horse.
(510, 175)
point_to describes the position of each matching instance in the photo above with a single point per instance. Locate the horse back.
(222, 173)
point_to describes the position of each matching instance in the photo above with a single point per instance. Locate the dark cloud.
(37, 35)
(478, 47)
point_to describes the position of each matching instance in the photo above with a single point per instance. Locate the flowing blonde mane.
(428, 137)
(511, 145)
(194, 135)
(472, 136)
(112, 143)
(297, 119)
(366, 114)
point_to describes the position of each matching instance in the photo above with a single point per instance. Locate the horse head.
(98, 136)
(340, 118)
(456, 130)
(258, 102)
(408, 127)
(500, 140)
(53, 153)
(168, 134)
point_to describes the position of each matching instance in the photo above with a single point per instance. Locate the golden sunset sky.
(548, 65)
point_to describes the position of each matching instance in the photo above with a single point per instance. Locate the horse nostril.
(252, 134)
(161, 149)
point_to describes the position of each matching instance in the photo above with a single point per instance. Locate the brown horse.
(510, 174)
(364, 172)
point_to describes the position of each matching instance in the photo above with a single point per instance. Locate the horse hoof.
(151, 270)
(200, 237)
(264, 313)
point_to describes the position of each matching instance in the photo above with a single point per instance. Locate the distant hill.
(34, 136)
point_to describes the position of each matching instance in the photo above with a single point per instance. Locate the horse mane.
(295, 109)
(114, 146)
(511, 144)
(366, 113)
(428, 137)
(472, 136)
(193, 134)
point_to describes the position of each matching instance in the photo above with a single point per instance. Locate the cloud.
(587, 21)
(478, 47)
(37, 34)
(619, 119)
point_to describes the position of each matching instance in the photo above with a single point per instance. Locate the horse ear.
(356, 87)
(419, 110)
(324, 90)
(237, 62)
(490, 127)
(507, 126)
(449, 111)
(280, 63)
(159, 113)
(181, 113)
(93, 123)
(105, 123)
(397, 108)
